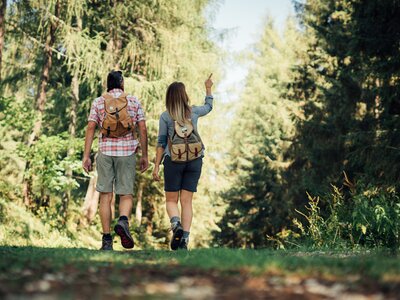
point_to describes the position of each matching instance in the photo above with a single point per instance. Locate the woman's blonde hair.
(177, 102)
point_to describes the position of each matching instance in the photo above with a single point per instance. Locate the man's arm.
(90, 131)
(144, 161)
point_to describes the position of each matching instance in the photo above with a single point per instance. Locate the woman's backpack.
(117, 122)
(185, 144)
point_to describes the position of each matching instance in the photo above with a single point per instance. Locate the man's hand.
(87, 164)
(144, 164)
(156, 170)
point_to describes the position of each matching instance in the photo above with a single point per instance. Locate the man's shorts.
(182, 176)
(117, 171)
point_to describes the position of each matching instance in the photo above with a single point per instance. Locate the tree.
(152, 42)
(3, 7)
(261, 133)
(50, 36)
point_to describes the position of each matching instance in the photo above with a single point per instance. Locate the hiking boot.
(106, 244)
(184, 244)
(122, 229)
(177, 235)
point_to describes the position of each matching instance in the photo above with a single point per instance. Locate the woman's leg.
(172, 204)
(187, 209)
(173, 213)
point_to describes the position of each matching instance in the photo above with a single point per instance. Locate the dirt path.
(60, 273)
(144, 282)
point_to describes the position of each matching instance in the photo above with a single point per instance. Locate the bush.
(356, 215)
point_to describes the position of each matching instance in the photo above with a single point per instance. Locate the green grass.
(369, 265)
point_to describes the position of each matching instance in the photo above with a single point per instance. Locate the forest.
(308, 157)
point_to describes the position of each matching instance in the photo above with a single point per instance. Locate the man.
(117, 114)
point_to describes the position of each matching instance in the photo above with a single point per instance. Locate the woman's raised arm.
(208, 105)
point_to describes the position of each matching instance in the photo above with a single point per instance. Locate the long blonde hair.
(177, 103)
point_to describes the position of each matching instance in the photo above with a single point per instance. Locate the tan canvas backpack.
(117, 122)
(185, 145)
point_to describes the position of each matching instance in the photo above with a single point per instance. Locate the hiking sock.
(107, 236)
(186, 235)
(174, 221)
(123, 218)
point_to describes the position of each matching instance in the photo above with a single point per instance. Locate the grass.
(371, 265)
(69, 273)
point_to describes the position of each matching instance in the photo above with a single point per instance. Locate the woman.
(180, 178)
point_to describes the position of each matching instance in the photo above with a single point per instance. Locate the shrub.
(356, 215)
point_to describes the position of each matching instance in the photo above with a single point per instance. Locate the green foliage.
(330, 106)
(153, 42)
(363, 216)
(20, 227)
(261, 132)
(49, 162)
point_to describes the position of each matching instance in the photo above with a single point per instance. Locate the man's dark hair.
(115, 80)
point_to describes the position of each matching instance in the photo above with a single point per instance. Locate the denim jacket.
(166, 126)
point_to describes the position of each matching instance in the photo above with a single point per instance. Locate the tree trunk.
(2, 30)
(114, 47)
(150, 216)
(72, 131)
(138, 213)
(40, 104)
(91, 201)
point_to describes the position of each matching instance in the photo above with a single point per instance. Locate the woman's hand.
(156, 170)
(208, 83)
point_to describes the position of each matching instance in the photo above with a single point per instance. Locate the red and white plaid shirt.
(121, 146)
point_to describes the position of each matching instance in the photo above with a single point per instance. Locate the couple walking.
(179, 146)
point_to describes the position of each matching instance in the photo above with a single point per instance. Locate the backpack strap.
(198, 135)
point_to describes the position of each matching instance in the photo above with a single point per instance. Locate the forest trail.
(45, 273)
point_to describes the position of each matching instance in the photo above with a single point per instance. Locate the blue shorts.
(182, 176)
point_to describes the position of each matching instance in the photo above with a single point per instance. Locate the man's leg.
(122, 227)
(124, 182)
(105, 211)
(125, 205)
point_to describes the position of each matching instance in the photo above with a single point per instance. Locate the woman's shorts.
(181, 176)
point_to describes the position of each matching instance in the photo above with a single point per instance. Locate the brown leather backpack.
(185, 144)
(117, 122)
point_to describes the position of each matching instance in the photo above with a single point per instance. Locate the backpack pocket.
(194, 150)
(109, 125)
(178, 153)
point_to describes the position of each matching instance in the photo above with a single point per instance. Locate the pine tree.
(3, 7)
(261, 134)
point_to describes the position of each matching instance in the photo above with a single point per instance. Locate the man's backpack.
(117, 122)
(185, 144)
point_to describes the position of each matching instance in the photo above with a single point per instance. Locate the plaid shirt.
(121, 146)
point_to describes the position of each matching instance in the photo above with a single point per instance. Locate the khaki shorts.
(115, 171)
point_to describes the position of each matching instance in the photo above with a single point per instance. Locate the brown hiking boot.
(122, 229)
